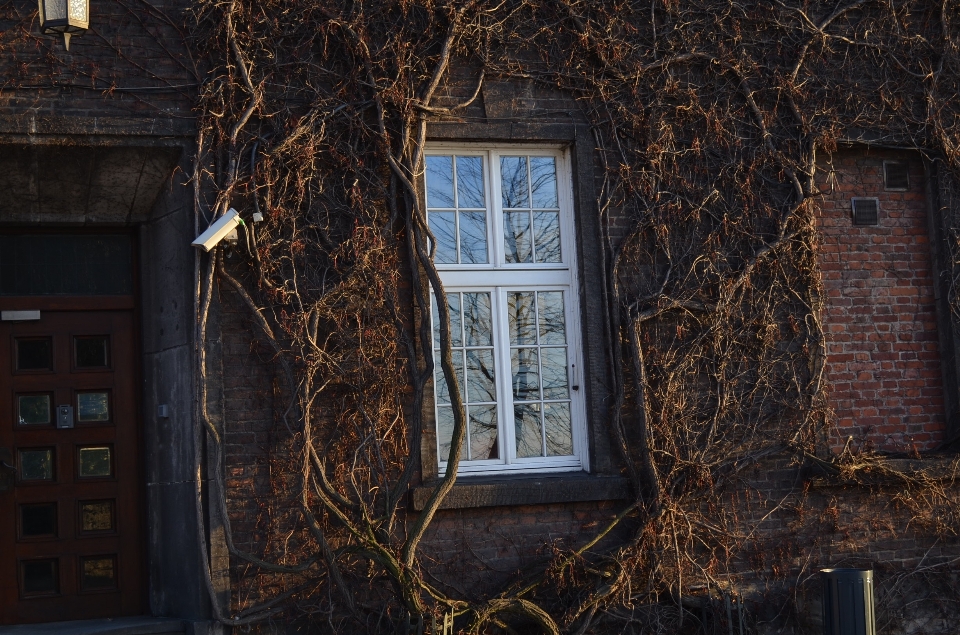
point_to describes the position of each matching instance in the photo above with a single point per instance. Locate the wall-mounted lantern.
(68, 17)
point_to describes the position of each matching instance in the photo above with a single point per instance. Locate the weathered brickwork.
(481, 549)
(133, 62)
(883, 363)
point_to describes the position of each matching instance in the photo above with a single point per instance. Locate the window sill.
(500, 491)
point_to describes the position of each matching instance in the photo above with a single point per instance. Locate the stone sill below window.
(544, 489)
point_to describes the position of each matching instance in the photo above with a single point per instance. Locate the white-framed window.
(503, 222)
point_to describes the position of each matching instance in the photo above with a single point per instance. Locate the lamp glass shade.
(64, 16)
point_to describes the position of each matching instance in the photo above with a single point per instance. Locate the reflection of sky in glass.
(461, 232)
(470, 182)
(439, 181)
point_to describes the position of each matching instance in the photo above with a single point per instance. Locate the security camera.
(221, 228)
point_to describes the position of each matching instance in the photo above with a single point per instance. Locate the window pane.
(553, 364)
(443, 226)
(513, 182)
(39, 577)
(481, 380)
(516, 237)
(36, 465)
(543, 177)
(91, 352)
(526, 418)
(470, 182)
(456, 325)
(95, 462)
(445, 433)
(443, 394)
(33, 410)
(483, 433)
(34, 354)
(522, 316)
(477, 321)
(556, 417)
(38, 520)
(526, 374)
(98, 573)
(473, 237)
(552, 330)
(93, 406)
(96, 516)
(546, 234)
(439, 181)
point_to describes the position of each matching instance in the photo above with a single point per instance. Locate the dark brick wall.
(132, 62)
(883, 361)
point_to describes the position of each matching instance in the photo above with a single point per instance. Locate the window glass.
(95, 462)
(66, 264)
(34, 353)
(93, 406)
(39, 577)
(92, 352)
(33, 410)
(456, 209)
(512, 350)
(36, 464)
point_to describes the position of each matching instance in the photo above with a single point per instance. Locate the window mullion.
(505, 398)
(495, 210)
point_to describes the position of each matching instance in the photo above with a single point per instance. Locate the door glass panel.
(526, 417)
(93, 406)
(33, 410)
(39, 577)
(91, 352)
(36, 464)
(96, 516)
(483, 432)
(95, 462)
(38, 521)
(34, 353)
(556, 418)
(98, 573)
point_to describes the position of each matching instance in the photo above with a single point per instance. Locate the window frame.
(498, 278)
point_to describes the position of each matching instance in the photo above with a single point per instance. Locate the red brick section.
(883, 362)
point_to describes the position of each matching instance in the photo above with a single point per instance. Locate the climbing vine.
(709, 119)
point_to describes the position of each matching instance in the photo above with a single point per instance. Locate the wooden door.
(70, 543)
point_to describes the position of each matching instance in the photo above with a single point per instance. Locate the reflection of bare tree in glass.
(439, 175)
(552, 329)
(473, 237)
(470, 183)
(527, 424)
(559, 435)
(543, 177)
(513, 182)
(477, 326)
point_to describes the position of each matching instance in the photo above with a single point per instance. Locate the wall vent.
(896, 177)
(866, 211)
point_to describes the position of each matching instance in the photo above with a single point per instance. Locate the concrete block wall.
(883, 360)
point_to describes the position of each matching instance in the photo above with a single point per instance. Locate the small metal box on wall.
(848, 602)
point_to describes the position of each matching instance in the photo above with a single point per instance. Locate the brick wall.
(132, 62)
(883, 364)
